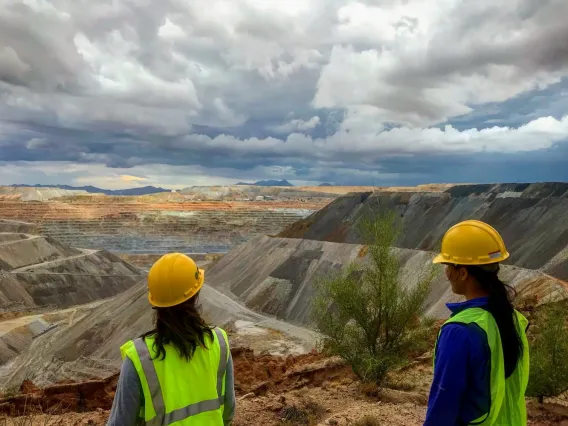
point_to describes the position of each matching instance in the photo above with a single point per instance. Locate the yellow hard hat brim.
(442, 259)
(439, 259)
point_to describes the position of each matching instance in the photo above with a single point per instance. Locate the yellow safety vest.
(507, 403)
(177, 391)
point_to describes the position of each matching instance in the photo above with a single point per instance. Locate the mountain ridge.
(268, 182)
(145, 190)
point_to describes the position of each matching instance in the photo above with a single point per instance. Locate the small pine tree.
(548, 375)
(365, 314)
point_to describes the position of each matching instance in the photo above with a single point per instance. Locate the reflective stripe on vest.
(162, 418)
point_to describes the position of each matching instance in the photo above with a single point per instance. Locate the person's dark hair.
(180, 326)
(502, 309)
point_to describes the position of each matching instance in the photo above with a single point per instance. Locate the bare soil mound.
(255, 375)
(295, 391)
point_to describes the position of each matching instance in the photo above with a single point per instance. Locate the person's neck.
(474, 294)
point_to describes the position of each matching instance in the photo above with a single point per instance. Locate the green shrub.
(365, 313)
(549, 353)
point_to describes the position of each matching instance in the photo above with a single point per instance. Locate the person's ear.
(463, 274)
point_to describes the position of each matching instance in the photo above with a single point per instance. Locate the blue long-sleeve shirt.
(460, 390)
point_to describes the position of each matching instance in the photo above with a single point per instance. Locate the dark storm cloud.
(552, 101)
(37, 51)
(530, 37)
(327, 90)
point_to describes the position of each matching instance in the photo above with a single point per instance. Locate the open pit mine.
(65, 311)
(196, 220)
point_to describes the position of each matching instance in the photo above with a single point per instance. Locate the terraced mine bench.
(157, 228)
(38, 270)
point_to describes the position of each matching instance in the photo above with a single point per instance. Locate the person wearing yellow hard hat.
(180, 372)
(481, 357)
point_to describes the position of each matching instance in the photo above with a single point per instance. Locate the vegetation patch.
(548, 352)
(309, 413)
(366, 314)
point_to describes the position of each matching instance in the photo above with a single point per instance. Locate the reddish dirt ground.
(260, 374)
(264, 374)
(303, 390)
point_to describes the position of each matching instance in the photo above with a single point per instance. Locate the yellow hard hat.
(472, 242)
(173, 279)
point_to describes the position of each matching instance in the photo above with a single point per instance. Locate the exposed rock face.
(87, 343)
(17, 226)
(249, 192)
(35, 194)
(152, 228)
(533, 219)
(275, 276)
(26, 250)
(38, 271)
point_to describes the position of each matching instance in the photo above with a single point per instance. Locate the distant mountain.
(268, 183)
(325, 184)
(145, 190)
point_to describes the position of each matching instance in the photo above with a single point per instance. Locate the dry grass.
(28, 421)
(39, 418)
(368, 421)
(308, 414)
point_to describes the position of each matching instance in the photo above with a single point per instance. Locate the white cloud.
(361, 136)
(172, 177)
(11, 65)
(420, 67)
(36, 143)
(52, 173)
(199, 61)
(296, 125)
(154, 71)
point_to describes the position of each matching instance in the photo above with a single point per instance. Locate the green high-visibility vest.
(177, 391)
(507, 395)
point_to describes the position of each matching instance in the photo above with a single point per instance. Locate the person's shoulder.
(465, 335)
(458, 339)
(220, 332)
(456, 332)
(219, 329)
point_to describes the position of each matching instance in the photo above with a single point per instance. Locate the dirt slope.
(533, 219)
(296, 391)
(275, 275)
(37, 271)
(88, 345)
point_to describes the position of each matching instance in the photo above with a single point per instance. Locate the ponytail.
(502, 309)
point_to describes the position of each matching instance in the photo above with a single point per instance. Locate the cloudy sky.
(122, 93)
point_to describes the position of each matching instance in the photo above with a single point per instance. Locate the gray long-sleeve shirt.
(129, 397)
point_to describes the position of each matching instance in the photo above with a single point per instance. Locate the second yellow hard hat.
(173, 279)
(472, 242)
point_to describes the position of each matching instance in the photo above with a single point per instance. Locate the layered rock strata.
(532, 218)
(148, 228)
